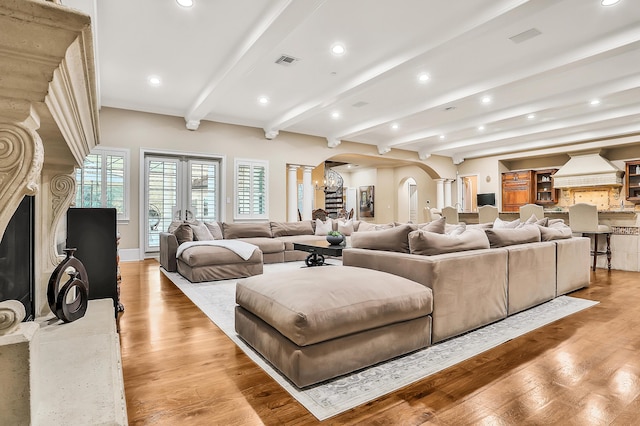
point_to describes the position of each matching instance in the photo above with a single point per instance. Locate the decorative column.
(447, 192)
(307, 201)
(440, 193)
(292, 193)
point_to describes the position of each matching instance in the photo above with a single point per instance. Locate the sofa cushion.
(214, 228)
(323, 228)
(282, 229)
(183, 233)
(345, 227)
(429, 243)
(534, 220)
(266, 245)
(555, 232)
(174, 225)
(368, 226)
(246, 230)
(499, 223)
(200, 232)
(456, 229)
(394, 239)
(437, 226)
(507, 237)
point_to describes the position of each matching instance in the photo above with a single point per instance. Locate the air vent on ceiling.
(360, 104)
(525, 35)
(286, 60)
(450, 108)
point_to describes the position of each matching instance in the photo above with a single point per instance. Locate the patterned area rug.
(217, 300)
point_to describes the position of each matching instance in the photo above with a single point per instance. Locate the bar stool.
(487, 214)
(531, 209)
(583, 218)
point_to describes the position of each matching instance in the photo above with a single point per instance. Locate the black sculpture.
(78, 282)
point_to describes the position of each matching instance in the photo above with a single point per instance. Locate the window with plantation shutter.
(251, 189)
(102, 181)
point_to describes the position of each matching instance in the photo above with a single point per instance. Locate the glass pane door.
(162, 185)
(204, 192)
(178, 189)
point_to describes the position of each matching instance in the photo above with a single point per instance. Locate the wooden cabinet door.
(517, 190)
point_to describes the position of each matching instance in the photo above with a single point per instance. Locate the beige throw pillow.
(454, 230)
(183, 233)
(429, 243)
(201, 232)
(555, 232)
(345, 227)
(394, 239)
(174, 225)
(508, 236)
(366, 226)
(502, 224)
(534, 220)
(215, 230)
(438, 226)
(323, 228)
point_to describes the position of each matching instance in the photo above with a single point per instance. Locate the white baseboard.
(129, 255)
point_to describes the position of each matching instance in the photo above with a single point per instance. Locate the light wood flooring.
(180, 369)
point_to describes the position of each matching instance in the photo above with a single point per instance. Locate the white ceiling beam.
(562, 99)
(617, 40)
(538, 130)
(282, 18)
(583, 132)
(371, 73)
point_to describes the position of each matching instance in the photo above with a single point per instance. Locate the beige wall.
(137, 131)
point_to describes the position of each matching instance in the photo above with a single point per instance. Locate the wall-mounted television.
(488, 199)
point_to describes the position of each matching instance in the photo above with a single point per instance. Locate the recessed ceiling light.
(263, 100)
(338, 49)
(442, 136)
(595, 102)
(185, 3)
(423, 78)
(486, 99)
(609, 2)
(335, 114)
(481, 128)
(531, 116)
(154, 80)
(395, 126)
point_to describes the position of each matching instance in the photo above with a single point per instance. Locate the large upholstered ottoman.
(211, 263)
(314, 324)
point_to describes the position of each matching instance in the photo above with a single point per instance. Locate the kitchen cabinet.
(518, 189)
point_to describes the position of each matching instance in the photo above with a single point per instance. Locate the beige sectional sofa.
(484, 282)
(207, 263)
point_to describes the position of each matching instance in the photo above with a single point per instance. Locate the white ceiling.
(216, 58)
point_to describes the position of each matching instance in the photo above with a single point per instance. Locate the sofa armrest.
(469, 287)
(168, 249)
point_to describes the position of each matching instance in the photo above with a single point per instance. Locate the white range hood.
(588, 169)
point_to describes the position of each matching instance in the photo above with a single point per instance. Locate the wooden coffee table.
(318, 250)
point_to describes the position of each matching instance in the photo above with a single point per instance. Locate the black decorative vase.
(335, 240)
(75, 288)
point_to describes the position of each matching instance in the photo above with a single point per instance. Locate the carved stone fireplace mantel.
(48, 117)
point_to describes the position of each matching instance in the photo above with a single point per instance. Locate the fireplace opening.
(17, 257)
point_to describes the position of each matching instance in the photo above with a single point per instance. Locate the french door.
(179, 188)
